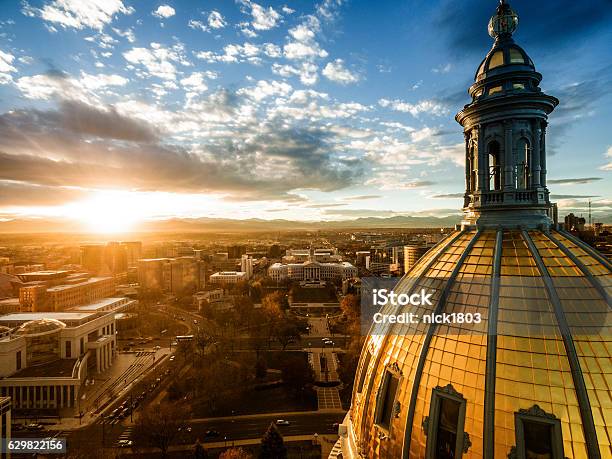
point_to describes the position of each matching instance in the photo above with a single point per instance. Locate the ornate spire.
(504, 22)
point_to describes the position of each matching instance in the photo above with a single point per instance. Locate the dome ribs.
(489, 414)
(427, 341)
(588, 424)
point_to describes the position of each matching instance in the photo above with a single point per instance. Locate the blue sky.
(297, 109)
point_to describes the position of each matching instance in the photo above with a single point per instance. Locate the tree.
(272, 444)
(235, 453)
(158, 425)
(350, 307)
(296, 372)
(199, 452)
(285, 332)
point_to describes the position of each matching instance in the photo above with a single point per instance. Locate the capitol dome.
(40, 327)
(533, 378)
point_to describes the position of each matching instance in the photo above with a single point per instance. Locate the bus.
(181, 338)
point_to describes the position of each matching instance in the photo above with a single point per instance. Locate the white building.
(228, 277)
(46, 356)
(312, 271)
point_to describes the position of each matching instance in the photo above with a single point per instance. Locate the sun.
(108, 212)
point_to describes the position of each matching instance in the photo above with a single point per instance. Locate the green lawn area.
(313, 295)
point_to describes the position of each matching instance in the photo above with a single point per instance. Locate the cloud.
(6, 67)
(448, 196)
(127, 34)
(164, 12)
(100, 147)
(262, 18)
(362, 197)
(195, 82)
(326, 206)
(430, 107)
(573, 181)
(302, 42)
(58, 84)
(24, 194)
(214, 21)
(608, 167)
(335, 71)
(442, 68)
(264, 89)
(572, 196)
(157, 60)
(307, 72)
(79, 14)
(234, 53)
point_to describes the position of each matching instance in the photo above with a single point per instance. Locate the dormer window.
(518, 86)
(494, 90)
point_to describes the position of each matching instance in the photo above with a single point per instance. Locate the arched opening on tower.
(522, 164)
(493, 150)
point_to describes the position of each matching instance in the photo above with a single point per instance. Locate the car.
(34, 426)
(282, 422)
(157, 348)
(172, 358)
(124, 443)
(211, 434)
(195, 321)
(174, 343)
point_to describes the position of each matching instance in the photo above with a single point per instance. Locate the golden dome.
(538, 366)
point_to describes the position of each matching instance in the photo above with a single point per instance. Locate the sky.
(115, 111)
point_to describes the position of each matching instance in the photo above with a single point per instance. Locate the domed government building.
(533, 379)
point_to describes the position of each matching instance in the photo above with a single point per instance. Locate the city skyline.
(112, 113)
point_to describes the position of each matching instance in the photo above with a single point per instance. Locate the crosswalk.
(126, 435)
(328, 398)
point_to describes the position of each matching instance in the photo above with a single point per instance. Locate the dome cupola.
(505, 129)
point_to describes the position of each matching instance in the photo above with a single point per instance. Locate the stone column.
(482, 161)
(98, 366)
(468, 169)
(535, 155)
(543, 155)
(508, 157)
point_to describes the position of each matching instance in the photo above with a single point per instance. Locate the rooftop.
(59, 288)
(102, 304)
(61, 368)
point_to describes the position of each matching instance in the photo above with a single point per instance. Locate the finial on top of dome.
(504, 22)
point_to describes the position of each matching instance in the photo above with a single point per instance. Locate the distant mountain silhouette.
(204, 224)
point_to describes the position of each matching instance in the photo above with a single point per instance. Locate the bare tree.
(235, 453)
(158, 425)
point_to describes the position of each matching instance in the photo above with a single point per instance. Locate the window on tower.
(494, 90)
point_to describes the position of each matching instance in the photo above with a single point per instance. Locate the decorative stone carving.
(535, 410)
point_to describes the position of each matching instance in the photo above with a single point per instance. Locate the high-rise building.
(529, 379)
(412, 254)
(246, 266)
(236, 251)
(133, 251)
